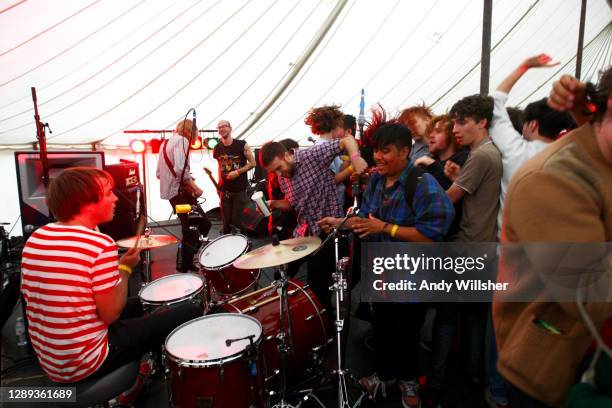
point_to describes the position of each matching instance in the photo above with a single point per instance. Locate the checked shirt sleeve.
(434, 212)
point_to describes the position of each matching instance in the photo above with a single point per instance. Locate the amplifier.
(125, 174)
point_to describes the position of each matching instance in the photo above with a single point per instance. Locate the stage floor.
(19, 368)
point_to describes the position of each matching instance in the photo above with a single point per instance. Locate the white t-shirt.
(514, 148)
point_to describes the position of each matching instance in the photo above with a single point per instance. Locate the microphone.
(361, 118)
(311, 139)
(228, 342)
(194, 127)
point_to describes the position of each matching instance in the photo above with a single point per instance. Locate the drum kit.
(250, 341)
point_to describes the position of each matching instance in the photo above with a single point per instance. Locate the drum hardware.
(146, 242)
(277, 255)
(251, 355)
(339, 287)
(285, 344)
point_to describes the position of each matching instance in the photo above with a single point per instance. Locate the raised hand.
(539, 61)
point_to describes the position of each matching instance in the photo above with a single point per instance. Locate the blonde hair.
(183, 128)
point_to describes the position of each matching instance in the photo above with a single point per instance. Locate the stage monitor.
(32, 191)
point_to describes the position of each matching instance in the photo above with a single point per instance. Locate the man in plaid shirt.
(388, 213)
(313, 194)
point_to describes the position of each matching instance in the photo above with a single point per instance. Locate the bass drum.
(308, 318)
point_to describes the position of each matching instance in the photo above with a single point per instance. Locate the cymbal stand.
(285, 336)
(146, 262)
(339, 287)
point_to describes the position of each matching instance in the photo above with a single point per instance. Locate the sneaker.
(128, 397)
(373, 384)
(410, 394)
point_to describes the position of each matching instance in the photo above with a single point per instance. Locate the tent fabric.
(101, 67)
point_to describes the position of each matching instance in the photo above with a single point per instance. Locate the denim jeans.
(496, 381)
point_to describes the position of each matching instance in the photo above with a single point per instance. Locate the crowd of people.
(478, 173)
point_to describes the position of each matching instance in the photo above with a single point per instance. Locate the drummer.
(81, 322)
(313, 188)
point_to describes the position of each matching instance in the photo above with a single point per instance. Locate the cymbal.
(286, 251)
(152, 241)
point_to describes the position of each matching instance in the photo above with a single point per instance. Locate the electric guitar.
(207, 171)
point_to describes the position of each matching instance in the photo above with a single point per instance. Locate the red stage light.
(155, 144)
(138, 146)
(197, 144)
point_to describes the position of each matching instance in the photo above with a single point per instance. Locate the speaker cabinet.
(130, 200)
(253, 220)
(32, 191)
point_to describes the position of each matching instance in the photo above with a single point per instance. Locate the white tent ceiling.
(103, 66)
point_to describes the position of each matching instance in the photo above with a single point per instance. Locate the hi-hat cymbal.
(152, 241)
(286, 251)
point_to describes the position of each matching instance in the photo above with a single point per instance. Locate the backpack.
(414, 175)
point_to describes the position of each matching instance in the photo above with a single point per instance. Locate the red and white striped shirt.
(62, 268)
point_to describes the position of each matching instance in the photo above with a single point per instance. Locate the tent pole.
(580, 39)
(485, 65)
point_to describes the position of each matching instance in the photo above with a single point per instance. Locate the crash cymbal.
(286, 251)
(152, 241)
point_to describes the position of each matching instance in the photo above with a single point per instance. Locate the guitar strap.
(167, 159)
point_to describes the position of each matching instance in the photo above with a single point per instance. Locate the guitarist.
(235, 159)
(171, 165)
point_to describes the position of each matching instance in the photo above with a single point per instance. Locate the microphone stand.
(339, 286)
(285, 334)
(42, 140)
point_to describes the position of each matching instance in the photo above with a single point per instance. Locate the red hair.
(408, 115)
(379, 118)
(324, 119)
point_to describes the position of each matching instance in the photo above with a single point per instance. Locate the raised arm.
(349, 144)
(538, 61)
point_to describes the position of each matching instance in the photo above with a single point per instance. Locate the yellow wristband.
(125, 268)
(394, 230)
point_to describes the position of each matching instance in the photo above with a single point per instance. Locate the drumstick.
(140, 227)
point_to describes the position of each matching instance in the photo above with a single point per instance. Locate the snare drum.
(205, 372)
(173, 289)
(309, 321)
(216, 260)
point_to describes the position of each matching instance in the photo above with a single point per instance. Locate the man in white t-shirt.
(541, 127)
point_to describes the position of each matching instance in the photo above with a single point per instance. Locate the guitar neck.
(208, 172)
